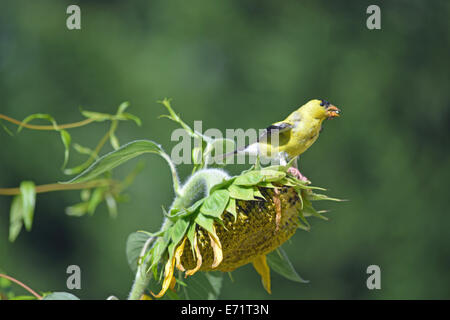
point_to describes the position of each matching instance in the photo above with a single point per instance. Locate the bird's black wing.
(278, 128)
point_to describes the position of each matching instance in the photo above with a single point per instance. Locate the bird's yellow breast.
(302, 136)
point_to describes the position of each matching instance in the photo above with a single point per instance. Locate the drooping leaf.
(205, 222)
(129, 116)
(96, 198)
(222, 185)
(98, 116)
(179, 230)
(60, 296)
(23, 298)
(316, 196)
(308, 210)
(215, 203)
(122, 107)
(15, 218)
(249, 179)
(66, 139)
(6, 128)
(135, 243)
(272, 175)
(257, 193)
(119, 156)
(114, 141)
(240, 192)
(202, 286)
(231, 207)
(37, 116)
(77, 210)
(83, 150)
(279, 262)
(28, 196)
(111, 205)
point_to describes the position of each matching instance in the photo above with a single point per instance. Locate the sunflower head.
(240, 221)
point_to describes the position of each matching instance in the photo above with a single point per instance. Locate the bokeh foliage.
(239, 64)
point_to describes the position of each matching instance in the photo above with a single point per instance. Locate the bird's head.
(321, 109)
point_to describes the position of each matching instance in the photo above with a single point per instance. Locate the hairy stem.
(197, 186)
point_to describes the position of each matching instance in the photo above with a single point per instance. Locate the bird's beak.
(333, 112)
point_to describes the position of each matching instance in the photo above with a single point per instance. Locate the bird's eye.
(324, 103)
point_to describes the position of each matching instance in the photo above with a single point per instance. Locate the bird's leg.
(296, 173)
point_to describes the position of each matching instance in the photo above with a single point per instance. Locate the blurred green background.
(239, 64)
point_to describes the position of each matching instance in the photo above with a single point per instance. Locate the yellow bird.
(287, 139)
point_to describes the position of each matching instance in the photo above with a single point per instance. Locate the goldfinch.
(287, 139)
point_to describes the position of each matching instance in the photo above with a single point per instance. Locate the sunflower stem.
(196, 187)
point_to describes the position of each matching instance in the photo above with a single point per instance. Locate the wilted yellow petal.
(168, 275)
(178, 254)
(199, 259)
(217, 248)
(173, 282)
(260, 264)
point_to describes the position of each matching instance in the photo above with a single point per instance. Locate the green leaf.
(190, 236)
(175, 213)
(308, 210)
(6, 129)
(158, 249)
(178, 231)
(77, 210)
(111, 204)
(96, 198)
(272, 175)
(85, 194)
(23, 298)
(38, 116)
(202, 286)
(16, 218)
(215, 203)
(231, 208)
(279, 262)
(135, 243)
(257, 193)
(267, 185)
(83, 150)
(205, 222)
(119, 156)
(123, 106)
(316, 196)
(4, 283)
(242, 193)
(66, 139)
(114, 141)
(28, 196)
(98, 116)
(129, 116)
(222, 185)
(249, 179)
(61, 296)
